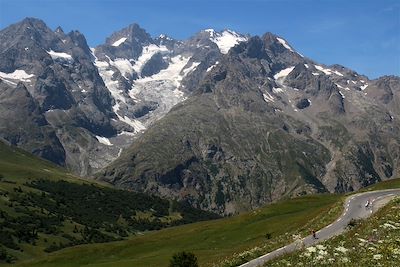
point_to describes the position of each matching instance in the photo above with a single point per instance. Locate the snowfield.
(119, 42)
(283, 73)
(225, 40)
(59, 55)
(19, 75)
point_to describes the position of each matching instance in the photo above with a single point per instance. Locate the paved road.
(354, 208)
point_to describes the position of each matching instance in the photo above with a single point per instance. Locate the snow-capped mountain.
(109, 93)
(145, 85)
(263, 123)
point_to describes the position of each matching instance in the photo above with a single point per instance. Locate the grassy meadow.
(211, 241)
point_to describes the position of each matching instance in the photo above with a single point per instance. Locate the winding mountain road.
(354, 209)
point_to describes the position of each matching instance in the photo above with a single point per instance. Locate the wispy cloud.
(327, 25)
(391, 43)
(391, 8)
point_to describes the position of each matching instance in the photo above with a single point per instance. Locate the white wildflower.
(311, 249)
(319, 257)
(388, 225)
(341, 249)
(345, 259)
(377, 256)
(307, 254)
(396, 251)
(362, 240)
(321, 247)
(322, 253)
(296, 237)
(372, 248)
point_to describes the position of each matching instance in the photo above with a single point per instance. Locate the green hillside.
(44, 209)
(220, 241)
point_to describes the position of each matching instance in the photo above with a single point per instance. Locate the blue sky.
(361, 34)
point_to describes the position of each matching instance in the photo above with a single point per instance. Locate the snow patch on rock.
(119, 42)
(104, 140)
(211, 67)
(19, 75)
(327, 71)
(126, 133)
(342, 87)
(283, 42)
(59, 55)
(268, 97)
(283, 73)
(277, 90)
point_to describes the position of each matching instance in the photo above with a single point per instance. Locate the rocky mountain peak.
(281, 53)
(79, 40)
(390, 79)
(273, 40)
(36, 29)
(225, 39)
(132, 34)
(59, 30)
(167, 41)
(277, 44)
(126, 43)
(253, 48)
(31, 22)
(165, 38)
(29, 30)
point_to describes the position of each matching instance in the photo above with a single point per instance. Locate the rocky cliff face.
(56, 71)
(26, 126)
